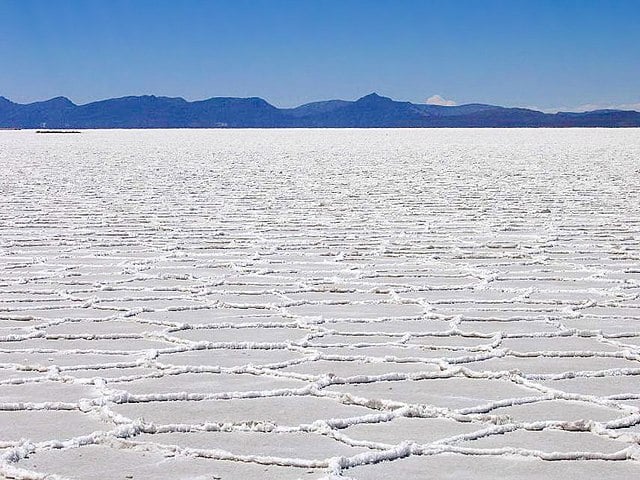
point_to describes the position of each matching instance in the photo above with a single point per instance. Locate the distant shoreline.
(58, 131)
(150, 129)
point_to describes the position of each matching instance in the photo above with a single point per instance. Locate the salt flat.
(364, 304)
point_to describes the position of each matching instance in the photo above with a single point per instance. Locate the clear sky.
(540, 53)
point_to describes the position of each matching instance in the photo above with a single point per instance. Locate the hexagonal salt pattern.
(320, 304)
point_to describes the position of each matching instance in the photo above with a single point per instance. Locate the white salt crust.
(320, 304)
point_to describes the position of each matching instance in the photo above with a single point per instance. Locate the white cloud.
(438, 100)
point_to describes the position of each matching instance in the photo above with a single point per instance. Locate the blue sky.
(545, 54)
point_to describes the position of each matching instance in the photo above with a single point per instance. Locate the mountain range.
(370, 111)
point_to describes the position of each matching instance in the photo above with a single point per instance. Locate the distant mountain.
(370, 111)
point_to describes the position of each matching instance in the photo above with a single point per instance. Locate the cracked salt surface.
(320, 304)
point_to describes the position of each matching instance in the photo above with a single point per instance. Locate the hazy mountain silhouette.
(372, 110)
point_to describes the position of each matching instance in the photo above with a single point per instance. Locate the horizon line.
(586, 108)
